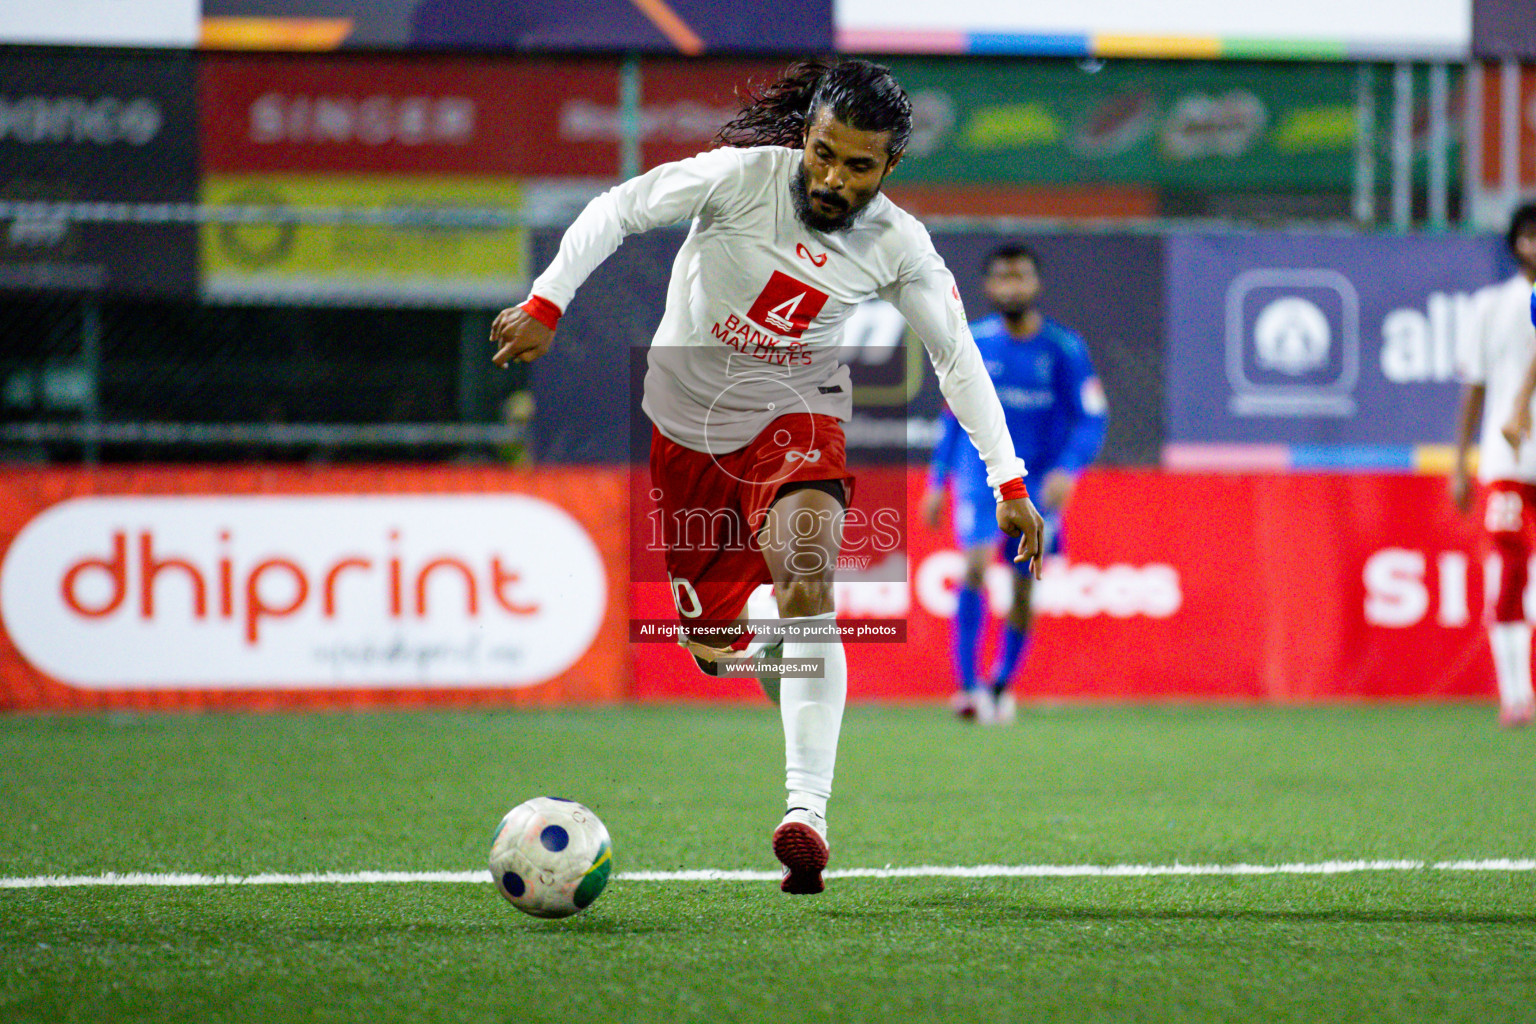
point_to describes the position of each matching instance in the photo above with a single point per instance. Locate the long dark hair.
(860, 94)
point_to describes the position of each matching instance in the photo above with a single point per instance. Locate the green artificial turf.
(691, 788)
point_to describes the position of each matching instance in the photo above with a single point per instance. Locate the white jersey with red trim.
(758, 300)
(1496, 355)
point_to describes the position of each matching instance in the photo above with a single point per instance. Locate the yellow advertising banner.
(301, 252)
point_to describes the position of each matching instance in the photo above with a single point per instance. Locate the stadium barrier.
(213, 587)
(271, 588)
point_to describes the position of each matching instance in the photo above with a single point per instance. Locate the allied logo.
(1291, 336)
(805, 254)
(786, 306)
(1293, 342)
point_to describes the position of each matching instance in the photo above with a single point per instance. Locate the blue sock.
(968, 613)
(1014, 643)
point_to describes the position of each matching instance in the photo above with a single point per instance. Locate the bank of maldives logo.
(786, 306)
(1292, 343)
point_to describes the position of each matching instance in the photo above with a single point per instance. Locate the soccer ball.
(550, 857)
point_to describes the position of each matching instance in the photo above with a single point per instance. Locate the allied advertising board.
(1319, 340)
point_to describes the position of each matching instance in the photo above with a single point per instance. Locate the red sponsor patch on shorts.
(786, 306)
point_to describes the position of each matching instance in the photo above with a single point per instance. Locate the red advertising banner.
(290, 587)
(376, 114)
(401, 115)
(268, 587)
(684, 103)
(1286, 588)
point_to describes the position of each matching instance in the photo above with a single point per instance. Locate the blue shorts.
(975, 515)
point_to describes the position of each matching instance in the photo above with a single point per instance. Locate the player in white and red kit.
(789, 233)
(1495, 366)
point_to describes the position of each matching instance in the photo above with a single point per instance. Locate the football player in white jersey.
(1498, 366)
(789, 232)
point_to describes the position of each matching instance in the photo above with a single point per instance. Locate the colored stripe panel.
(1318, 456)
(1284, 49)
(275, 33)
(1040, 44)
(1435, 458)
(1227, 458)
(900, 41)
(1200, 47)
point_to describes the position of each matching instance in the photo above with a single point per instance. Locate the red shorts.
(1509, 516)
(712, 505)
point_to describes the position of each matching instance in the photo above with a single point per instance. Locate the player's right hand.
(519, 336)
(1018, 518)
(1518, 428)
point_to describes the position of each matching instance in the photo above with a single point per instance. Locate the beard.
(840, 221)
(1014, 310)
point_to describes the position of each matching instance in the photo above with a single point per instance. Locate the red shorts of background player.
(1509, 515)
(711, 505)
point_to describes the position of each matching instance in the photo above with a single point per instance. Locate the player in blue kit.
(1057, 415)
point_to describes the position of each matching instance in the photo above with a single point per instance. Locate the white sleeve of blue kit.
(926, 295)
(663, 196)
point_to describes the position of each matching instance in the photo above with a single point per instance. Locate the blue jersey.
(1051, 397)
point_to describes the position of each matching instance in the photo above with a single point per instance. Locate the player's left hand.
(1018, 518)
(519, 336)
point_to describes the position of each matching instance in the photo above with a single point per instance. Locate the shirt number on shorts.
(682, 591)
(1504, 511)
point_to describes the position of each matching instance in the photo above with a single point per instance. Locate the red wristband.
(542, 310)
(1013, 490)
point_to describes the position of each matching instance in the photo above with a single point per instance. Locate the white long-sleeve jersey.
(757, 301)
(1496, 354)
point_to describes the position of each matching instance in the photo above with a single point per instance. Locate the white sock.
(812, 712)
(1511, 643)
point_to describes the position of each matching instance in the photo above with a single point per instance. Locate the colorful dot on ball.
(513, 883)
(554, 838)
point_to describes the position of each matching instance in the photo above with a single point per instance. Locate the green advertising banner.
(1180, 125)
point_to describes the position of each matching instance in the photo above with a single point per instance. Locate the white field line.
(1330, 867)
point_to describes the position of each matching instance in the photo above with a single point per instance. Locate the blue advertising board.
(1330, 349)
